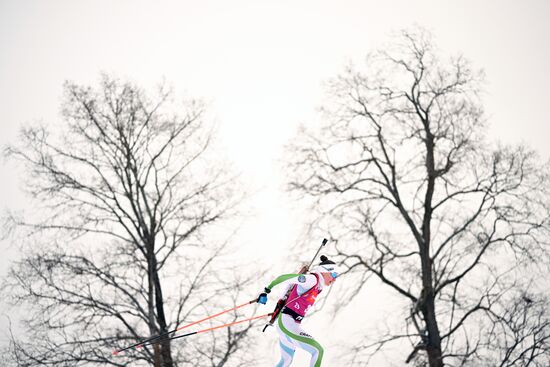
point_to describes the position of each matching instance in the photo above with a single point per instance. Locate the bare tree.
(403, 177)
(519, 327)
(129, 232)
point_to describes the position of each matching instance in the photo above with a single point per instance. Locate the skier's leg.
(301, 339)
(287, 348)
(287, 352)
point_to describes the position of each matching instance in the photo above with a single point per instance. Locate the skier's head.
(327, 270)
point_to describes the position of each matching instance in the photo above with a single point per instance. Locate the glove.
(262, 298)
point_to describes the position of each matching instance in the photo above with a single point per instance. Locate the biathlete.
(305, 289)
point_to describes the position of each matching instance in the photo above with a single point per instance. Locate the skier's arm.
(303, 281)
(285, 279)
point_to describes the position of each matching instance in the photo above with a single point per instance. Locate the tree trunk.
(427, 306)
(433, 347)
(159, 301)
(153, 330)
(162, 353)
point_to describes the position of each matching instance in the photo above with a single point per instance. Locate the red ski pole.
(205, 330)
(138, 345)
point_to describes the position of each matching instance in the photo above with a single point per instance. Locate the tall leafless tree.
(402, 174)
(128, 234)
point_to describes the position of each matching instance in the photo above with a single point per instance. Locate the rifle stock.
(282, 302)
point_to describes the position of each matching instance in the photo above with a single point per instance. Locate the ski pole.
(317, 253)
(204, 330)
(137, 345)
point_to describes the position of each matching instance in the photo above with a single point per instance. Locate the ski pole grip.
(323, 243)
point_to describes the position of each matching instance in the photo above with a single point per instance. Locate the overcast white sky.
(261, 64)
